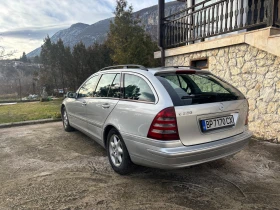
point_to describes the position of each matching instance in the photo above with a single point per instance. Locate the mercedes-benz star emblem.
(221, 107)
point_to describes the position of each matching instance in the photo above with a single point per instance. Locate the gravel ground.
(43, 167)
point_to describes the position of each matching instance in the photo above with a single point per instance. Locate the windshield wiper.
(187, 97)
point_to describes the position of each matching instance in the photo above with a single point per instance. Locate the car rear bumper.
(169, 155)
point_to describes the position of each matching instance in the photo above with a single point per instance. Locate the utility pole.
(161, 15)
(33, 86)
(19, 89)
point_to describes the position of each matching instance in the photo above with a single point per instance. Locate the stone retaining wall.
(255, 73)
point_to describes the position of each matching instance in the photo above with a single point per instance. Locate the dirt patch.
(43, 167)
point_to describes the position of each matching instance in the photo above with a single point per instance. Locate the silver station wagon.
(167, 117)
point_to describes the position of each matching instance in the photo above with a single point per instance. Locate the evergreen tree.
(46, 50)
(69, 70)
(98, 57)
(60, 59)
(36, 59)
(128, 41)
(80, 64)
(23, 58)
(48, 57)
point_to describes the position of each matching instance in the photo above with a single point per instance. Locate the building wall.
(255, 73)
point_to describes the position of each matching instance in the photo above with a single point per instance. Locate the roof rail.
(126, 66)
(191, 67)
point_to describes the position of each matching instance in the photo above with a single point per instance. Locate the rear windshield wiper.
(199, 96)
(217, 97)
(187, 97)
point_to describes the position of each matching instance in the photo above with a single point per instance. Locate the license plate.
(216, 123)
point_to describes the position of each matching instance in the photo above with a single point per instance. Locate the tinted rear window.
(188, 89)
(107, 86)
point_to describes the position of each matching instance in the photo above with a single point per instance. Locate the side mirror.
(71, 95)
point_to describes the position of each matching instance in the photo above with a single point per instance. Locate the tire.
(65, 120)
(117, 153)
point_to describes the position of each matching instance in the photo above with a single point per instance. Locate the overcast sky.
(25, 23)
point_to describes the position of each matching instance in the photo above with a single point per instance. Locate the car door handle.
(106, 106)
(84, 103)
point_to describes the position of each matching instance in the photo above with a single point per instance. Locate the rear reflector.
(164, 125)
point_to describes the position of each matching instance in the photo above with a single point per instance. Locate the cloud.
(33, 32)
(29, 21)
(30, 13)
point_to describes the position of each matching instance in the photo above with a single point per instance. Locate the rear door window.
(108, 86)
(114, 91)
(136, 88)
(188, 89)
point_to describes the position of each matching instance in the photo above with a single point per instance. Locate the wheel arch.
(106, 132)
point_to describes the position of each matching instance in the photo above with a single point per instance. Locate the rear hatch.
(207, 108)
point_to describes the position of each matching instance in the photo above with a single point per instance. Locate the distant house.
(238, 40)
(60, 91)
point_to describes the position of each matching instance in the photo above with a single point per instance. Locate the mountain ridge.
(97, 32)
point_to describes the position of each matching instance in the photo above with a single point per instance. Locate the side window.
(87, 89)
(136, 88)
(107, 81)
(114, 91)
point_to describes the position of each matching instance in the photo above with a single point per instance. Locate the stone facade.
(255, 73)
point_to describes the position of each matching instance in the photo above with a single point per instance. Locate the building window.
(200, 63)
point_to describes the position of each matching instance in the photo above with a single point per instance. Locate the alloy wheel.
(65, 119)
(115, 150)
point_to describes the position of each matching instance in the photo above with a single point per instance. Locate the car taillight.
(164, 125)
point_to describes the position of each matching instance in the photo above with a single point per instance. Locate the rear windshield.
(189, 89)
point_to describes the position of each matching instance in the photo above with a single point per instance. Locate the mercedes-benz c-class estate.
(167, 117)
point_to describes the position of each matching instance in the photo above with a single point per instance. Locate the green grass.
(30, 111)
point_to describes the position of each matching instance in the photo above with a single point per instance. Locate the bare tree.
(4, 54)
